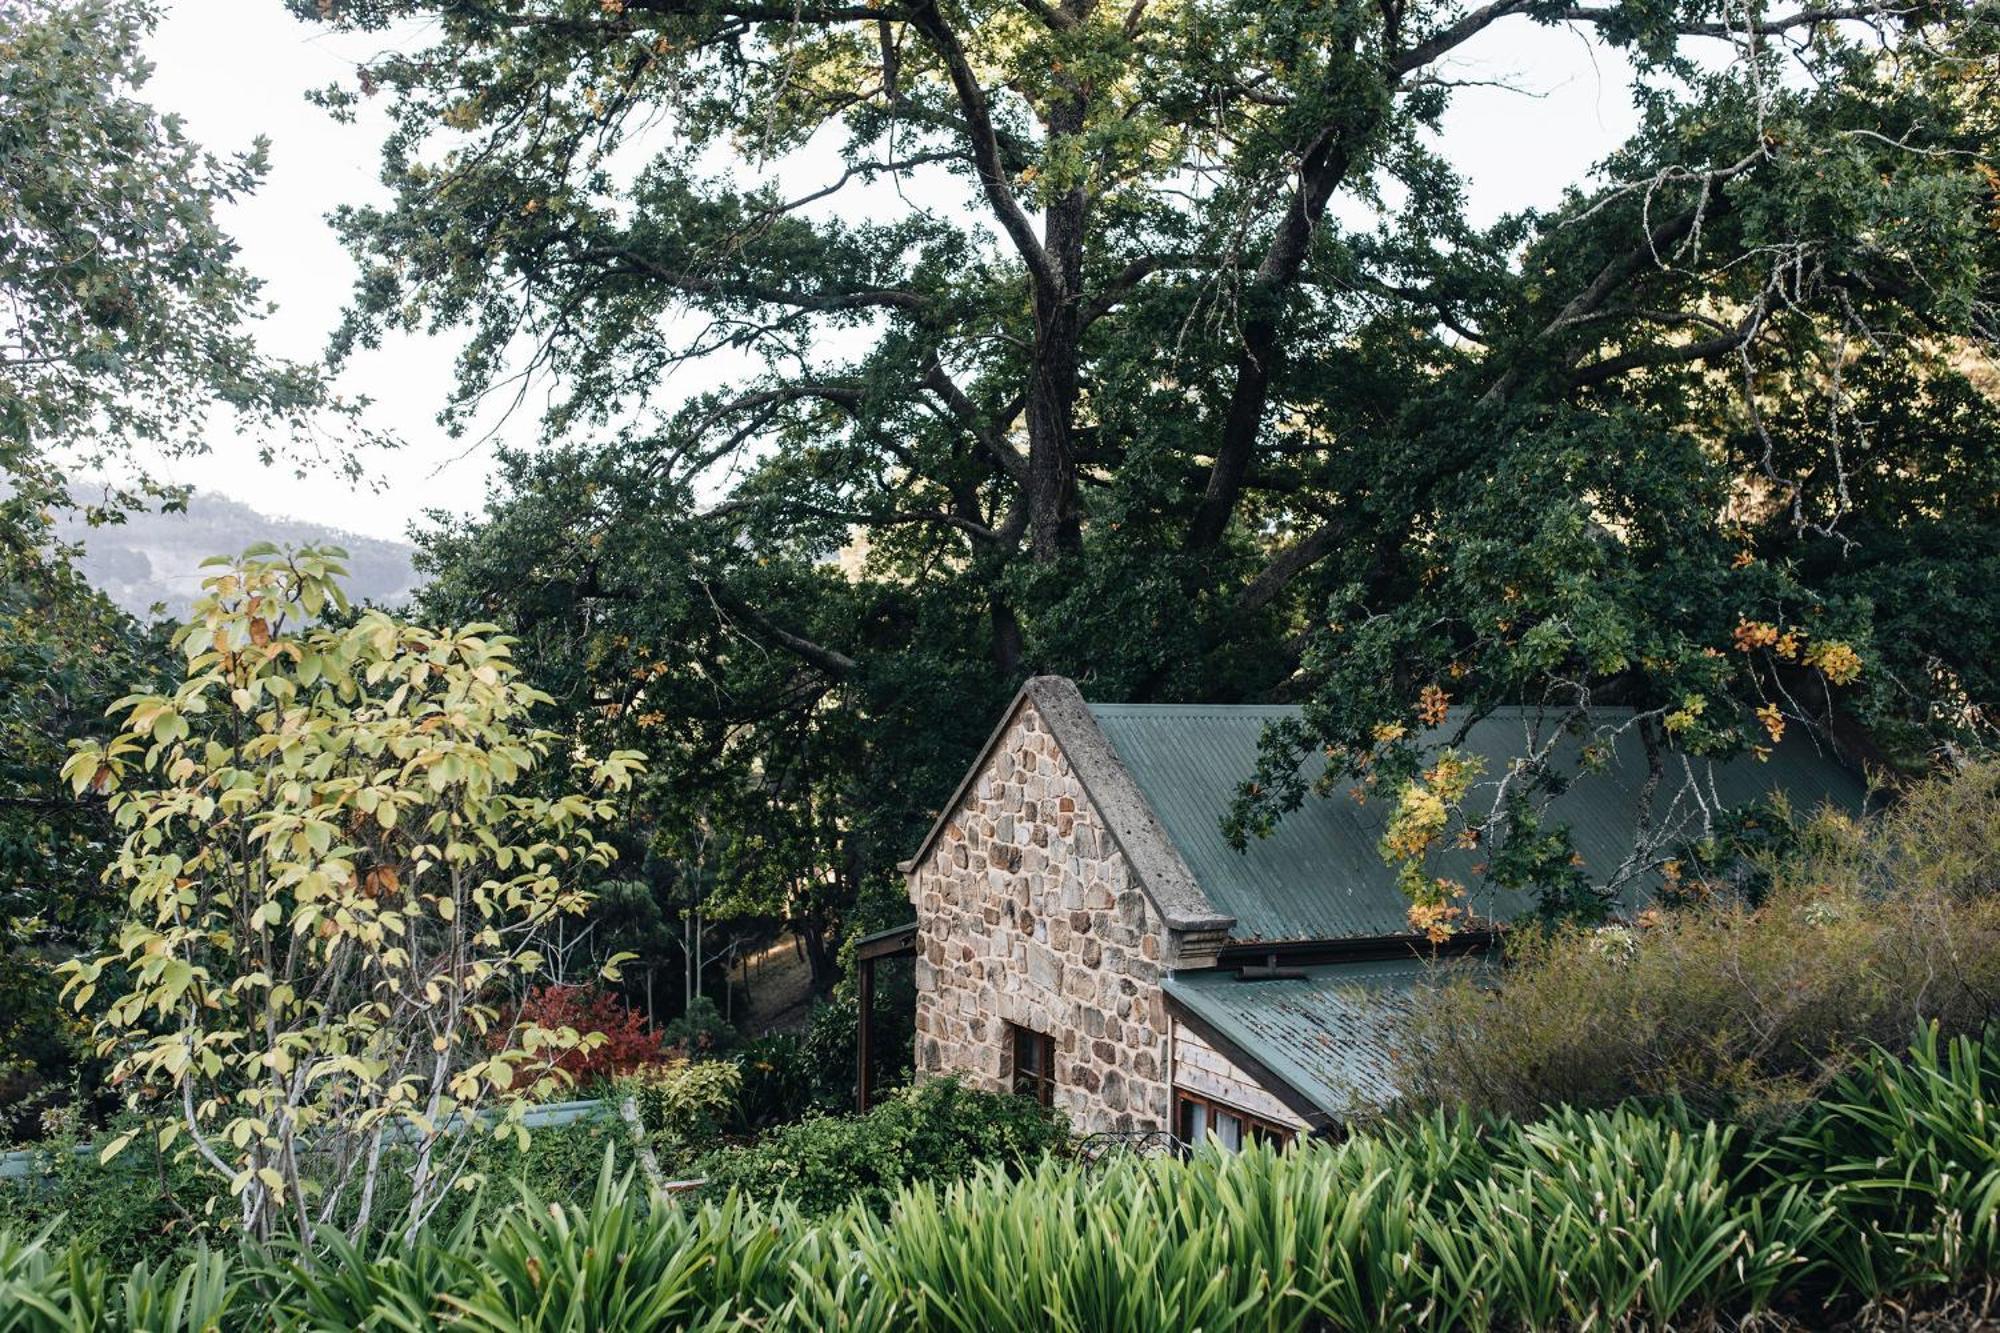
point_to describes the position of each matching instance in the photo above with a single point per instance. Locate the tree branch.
(696, 285)
(1805, 18)
(1290, 562)
(1120, 283)
(967, 413)
(985, 145)
(1456, 34)
(1678, 355)
(1322, 168)
(829, 660)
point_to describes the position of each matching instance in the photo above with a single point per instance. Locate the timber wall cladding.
(1199, 1067)
(1028, 914)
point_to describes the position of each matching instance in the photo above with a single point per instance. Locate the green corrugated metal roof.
(1319, 875)
(1332, 1036)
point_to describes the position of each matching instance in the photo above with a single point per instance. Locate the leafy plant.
(1867, 932)
(1907, 1152)
(685, 1101)
(336, 864)
(939, 1131)
(1630, 1218)
(626, 1044)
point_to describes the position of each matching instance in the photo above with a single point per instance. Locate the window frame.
(1253, 1128)
(1038, 1081)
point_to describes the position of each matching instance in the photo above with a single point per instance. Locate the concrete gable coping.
(1141, 839)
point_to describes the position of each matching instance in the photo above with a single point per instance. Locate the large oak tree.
(1153, 343)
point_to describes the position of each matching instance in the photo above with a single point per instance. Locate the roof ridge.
(1221, 709)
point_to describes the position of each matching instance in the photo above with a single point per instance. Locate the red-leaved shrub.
(628, 1044)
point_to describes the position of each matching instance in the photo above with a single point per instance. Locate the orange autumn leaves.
(1834, 659)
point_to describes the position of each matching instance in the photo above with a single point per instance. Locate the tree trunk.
(812, 936)
(1054, 528)
(1321, 169)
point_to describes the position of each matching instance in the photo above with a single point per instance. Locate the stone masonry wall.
(1027, 914)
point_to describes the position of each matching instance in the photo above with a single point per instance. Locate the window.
(1035, 1065)
(1198, 1118)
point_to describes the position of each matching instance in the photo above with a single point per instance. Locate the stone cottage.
(1085, 934)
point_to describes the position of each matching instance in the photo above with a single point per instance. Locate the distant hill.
(156, 558)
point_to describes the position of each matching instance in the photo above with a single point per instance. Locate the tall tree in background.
(1152, 343)
(66, 653)
(126, 337)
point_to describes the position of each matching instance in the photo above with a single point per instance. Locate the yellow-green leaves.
(332, 884)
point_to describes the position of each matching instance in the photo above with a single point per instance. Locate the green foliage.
(832, 1037)
(780, 1080)
(1885, 1198)
(685, 1101)
(1866, 933)
(1910, 1153)
(701, 1028)
(66, 653)
(128, 318)
(126, 338)
(146, 1207)
(1313, 432)
(939, 1131)
(152, 1207)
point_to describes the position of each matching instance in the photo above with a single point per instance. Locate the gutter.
(1247, 954)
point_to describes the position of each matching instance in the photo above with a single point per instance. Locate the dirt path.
(779, 996)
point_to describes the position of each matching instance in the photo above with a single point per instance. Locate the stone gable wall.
(1028, 914)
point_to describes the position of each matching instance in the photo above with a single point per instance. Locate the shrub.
(151, 1207)
(1629, 1218)
(628, 1043)
(1866, 935)
(832, 1039)
(685, 1101)
(336, 842)
(146, 1205)
(1906, 1154)
(780, 1081)
(700, 1030)
(937, 1132)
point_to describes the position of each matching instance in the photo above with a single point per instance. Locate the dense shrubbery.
(1866, 934)
(937, 1132)
(152, 1207)
(1885, 1191)
(628, 1043)
(684, 1101)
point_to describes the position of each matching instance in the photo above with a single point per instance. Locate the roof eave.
(1318, 1118)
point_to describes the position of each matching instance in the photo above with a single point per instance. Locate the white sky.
(238, 68)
